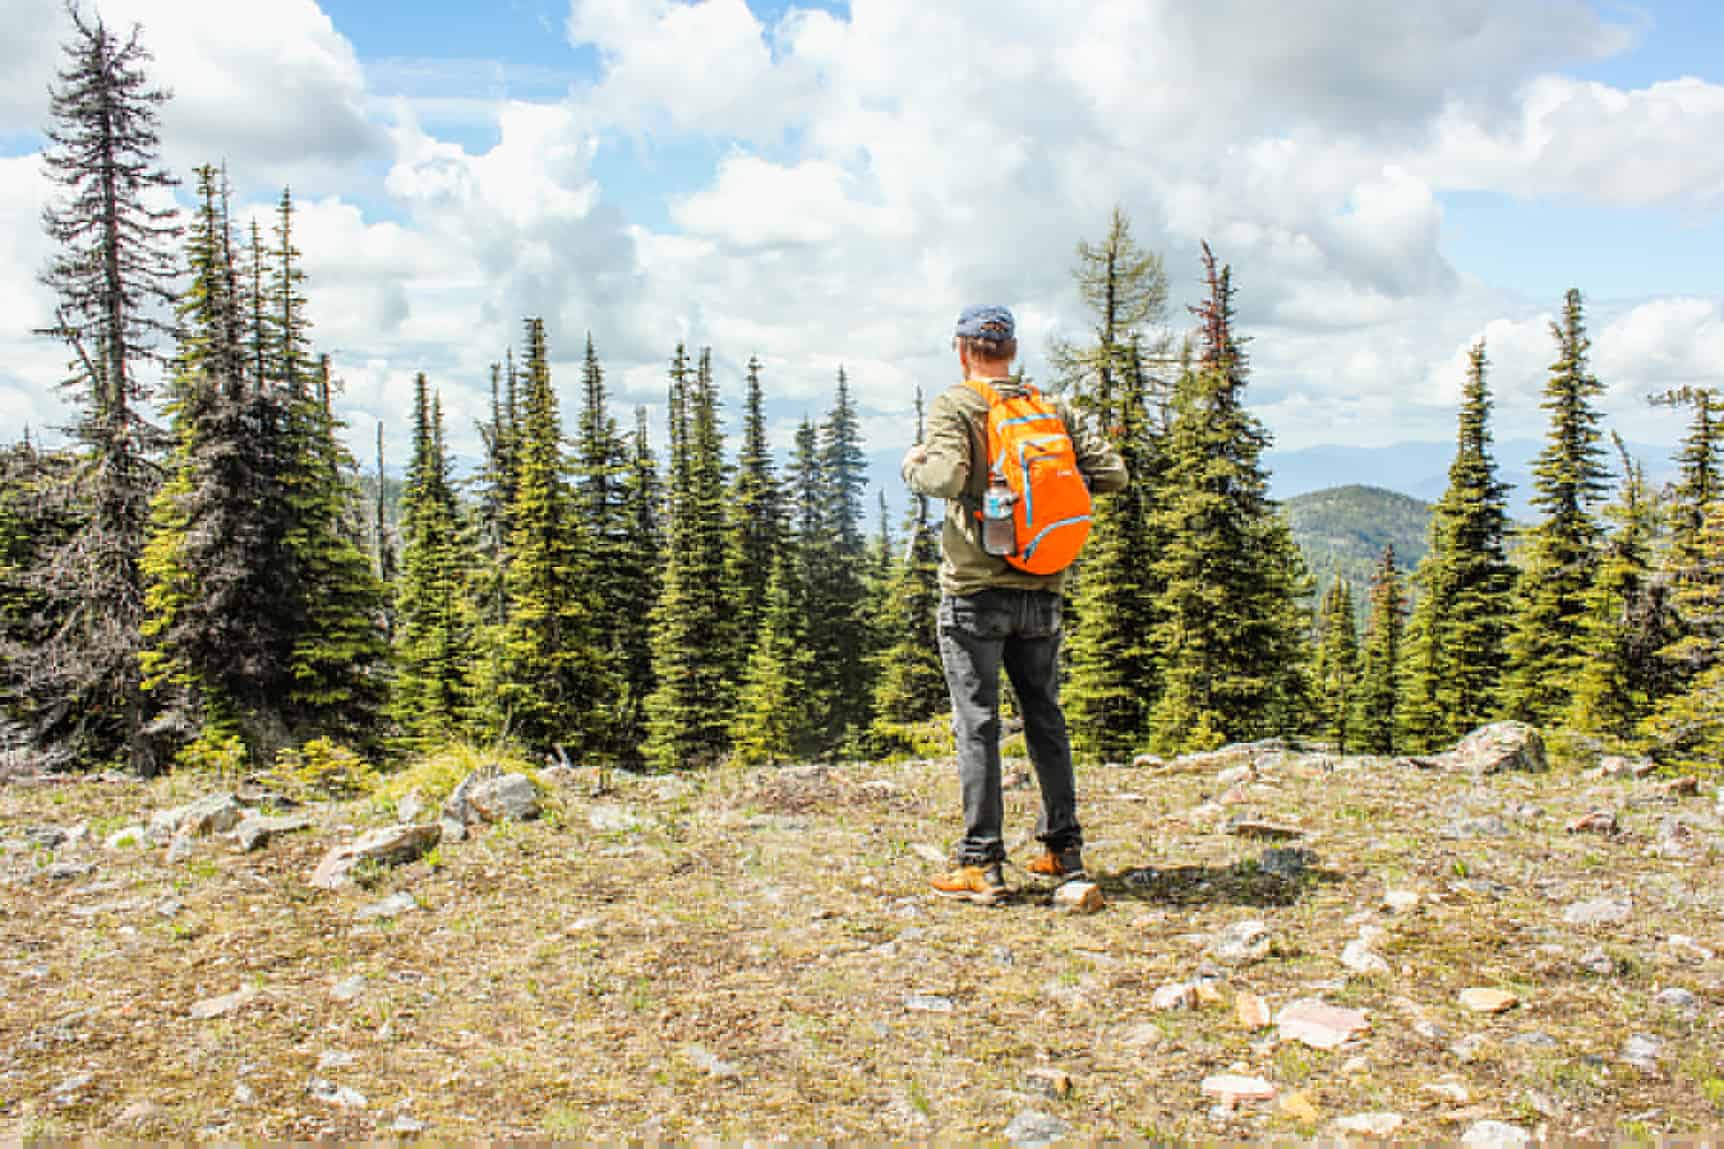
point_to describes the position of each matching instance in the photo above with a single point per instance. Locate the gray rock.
(1031, 1128)
(1679, 999)
(211, 814)
(214, 1007)
(45, 837)
(1400, 901)
(256, 832)
(1537, 1039)
(1489, 826)
(929, 1003)
(1596, 961)
(348, 988)
(1381, 1124)
(67, 871)
(338, 1095)
(1358, 957)
(505, 798)
(1246, 826)
(1499, 747)
(711, 1064)
(389, 846)
(393, 906)
(1289, 862)
(1495, 1135)
(407, 1125)
(180, 849)
(1643, 1051)
(244, 1094)
(1599, 912)
(409, 809)
(453, 831)
(613, 819)
(1241, 943)
(1468, 1048)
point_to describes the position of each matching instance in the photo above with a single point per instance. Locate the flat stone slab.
(1234, 1088)
(214, 1007)
(1079, 898)
(211, 814)
(257, 832)
(1319, 1024)
(389, 846)
(1484, 999)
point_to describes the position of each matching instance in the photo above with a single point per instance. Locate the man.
(994, 615)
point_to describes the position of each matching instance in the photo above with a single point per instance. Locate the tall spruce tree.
(1335, 671)
(837, 592)
(1113, 677)
(1376, 696)
(552, 675)
(214, 653)
(772, 723)
(111, 274)
(601, 464)
(1454, 654)
(1626, 623)
(642, 561)
(909, 681)
(436, 619)
(689, 711)
(1544, 647)
(1686, 729)
(1231, 631)
(756, 524)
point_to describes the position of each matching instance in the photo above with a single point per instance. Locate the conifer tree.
(38, 514)
(113, 266)
(1454, 653)
(1544, 646)
(601, 463)
(1700, 472)
(340, 660)
(837, 593)
(552, 682)
(641, 563)
(909, 680)
(214, 647)
(1113, 679)
(1375, 697)
(808, 554)
(756, 530)
(1336, 669)
(1625, 624)
(1686, 729)
(772, 722)
(1231, 632)
(1114, 673)
(434, 654)
(689, 711)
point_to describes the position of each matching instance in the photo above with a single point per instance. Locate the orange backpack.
(1029, 447)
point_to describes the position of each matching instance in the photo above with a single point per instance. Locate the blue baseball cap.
(988, 322)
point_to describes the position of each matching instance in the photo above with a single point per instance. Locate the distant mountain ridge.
(1342, 532)
(1421, 469)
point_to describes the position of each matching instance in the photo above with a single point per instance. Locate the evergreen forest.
(198, 578)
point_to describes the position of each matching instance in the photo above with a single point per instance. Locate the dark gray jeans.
(1019, 630)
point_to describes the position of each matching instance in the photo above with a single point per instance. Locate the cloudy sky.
(824, 183)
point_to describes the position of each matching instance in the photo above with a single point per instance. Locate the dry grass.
(563, 981)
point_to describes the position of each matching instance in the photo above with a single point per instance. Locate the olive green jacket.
(956, 470)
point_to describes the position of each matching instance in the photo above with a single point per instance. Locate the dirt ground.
(754, 954)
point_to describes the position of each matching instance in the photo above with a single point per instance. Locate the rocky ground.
(1293, 944)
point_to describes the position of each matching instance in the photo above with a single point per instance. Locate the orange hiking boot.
(1062, 865)
(983, 885)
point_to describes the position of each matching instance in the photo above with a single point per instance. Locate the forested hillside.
(1342, 531)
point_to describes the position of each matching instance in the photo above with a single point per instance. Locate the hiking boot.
(1061, 865)
(983, 885)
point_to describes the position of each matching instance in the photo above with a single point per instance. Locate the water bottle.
(999, 530)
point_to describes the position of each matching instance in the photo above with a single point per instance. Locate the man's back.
(955, 469)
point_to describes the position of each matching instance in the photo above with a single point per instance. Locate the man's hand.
(914, 457)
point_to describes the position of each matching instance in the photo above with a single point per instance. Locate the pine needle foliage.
(1454, 657)
(1375, 697)
(1544, 646)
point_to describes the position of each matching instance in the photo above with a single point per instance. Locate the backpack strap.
(981, 388)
